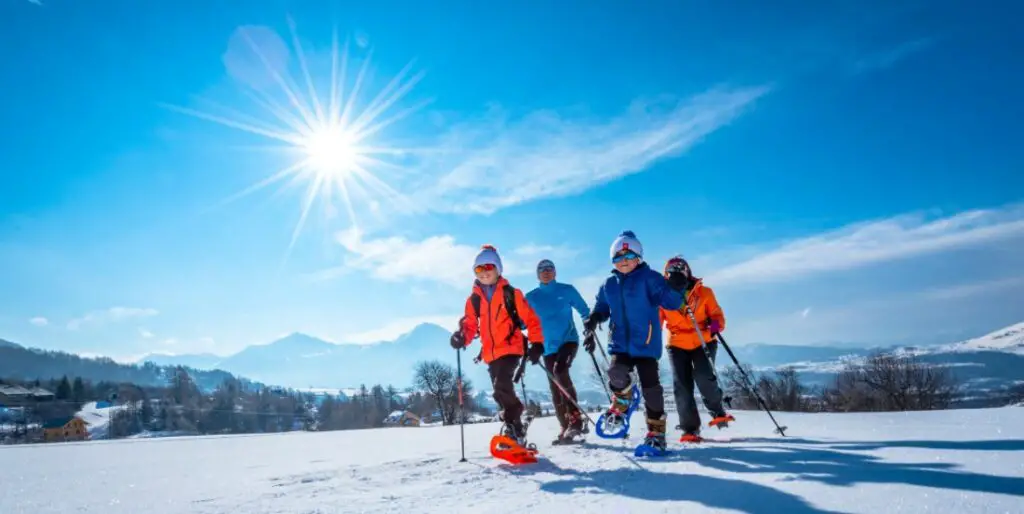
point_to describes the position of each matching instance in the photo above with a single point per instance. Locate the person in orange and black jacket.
(690, 363)
(503, 344)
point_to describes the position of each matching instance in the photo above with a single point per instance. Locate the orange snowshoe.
(721, 421)
(505, 448)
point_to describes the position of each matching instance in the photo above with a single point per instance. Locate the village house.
(17, 396)
(400, 418)
(69, 428)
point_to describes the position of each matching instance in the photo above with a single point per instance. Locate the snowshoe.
(722, 421)
(614, 423)
(654, 444)
(511, 445)
(691, 437)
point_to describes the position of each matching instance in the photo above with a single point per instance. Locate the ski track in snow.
(873, 463)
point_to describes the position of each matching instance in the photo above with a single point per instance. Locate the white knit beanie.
(488, 255)
(627, 241)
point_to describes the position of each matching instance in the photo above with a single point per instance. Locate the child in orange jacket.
(690, 364)
(502, 341)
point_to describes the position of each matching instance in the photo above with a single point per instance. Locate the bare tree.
(891, 382)
(781, 390)
(440, 382)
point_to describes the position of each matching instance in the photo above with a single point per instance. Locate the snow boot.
(656, 434)
(621, 401)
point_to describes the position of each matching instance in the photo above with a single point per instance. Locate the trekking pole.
(750, 386)
(604, 383)
(703, 345)
(565, 393)
(462, 416)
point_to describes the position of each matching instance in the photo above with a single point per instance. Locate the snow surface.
(943, 462)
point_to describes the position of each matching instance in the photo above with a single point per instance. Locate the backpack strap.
(475, 300)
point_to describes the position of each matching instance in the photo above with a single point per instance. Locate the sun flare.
(331, 151)
(332, 143)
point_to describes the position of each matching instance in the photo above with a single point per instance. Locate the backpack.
(517, 323)
(510, 306)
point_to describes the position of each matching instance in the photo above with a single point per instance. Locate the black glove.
(535, 353)
(458, 340)
(590, 324)
(590, 342)
(678, 280)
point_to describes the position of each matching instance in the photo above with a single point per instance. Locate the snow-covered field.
(966, 461)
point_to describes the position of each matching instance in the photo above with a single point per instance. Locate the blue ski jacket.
(631, 301)
(553, 302)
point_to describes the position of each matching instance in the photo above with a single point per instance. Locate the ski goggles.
(677, 265)
(484, 267)
(545, 265)
(621, 256)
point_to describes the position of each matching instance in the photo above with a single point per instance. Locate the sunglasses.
(623, 256)
(545, 269)
(485, 267)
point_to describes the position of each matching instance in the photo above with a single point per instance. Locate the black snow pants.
(692, 367)
(650, 381)
(502, 371)
(559, 364)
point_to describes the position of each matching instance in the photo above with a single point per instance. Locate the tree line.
(883, 381)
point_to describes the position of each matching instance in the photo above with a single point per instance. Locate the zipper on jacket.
(622, 302)
(650, 329)
(490, 322)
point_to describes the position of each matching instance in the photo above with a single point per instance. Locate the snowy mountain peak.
(1009, 339)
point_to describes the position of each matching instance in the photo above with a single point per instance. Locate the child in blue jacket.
(553, 302)
(631, 299)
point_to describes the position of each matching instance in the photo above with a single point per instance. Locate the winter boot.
(574, 426)
(656, 433)
(621, 400)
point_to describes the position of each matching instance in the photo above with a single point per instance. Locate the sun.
(331, 152)
(333, 146)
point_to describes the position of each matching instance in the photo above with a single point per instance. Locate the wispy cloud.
(397, 259)
(498, 161)
(806, 312)
(146, 334)
(874, 242)
(433, 259)
(892, 56)
(39, 321)
(111, 315)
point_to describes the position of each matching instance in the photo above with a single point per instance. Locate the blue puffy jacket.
(631, 302)
(553, 303)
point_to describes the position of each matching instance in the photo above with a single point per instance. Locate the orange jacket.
(495, 325)
(702, 300)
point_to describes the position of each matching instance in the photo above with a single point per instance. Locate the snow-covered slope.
(1009, 339)
(937, 462)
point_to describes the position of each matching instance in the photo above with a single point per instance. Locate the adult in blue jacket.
(630, 299)
(553, 302)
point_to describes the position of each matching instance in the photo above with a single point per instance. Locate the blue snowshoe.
(654, 444)
(614, 423)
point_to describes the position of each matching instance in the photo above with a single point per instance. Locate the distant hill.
(30, 363)
(7, 344)
(985, 364)
(301, 361)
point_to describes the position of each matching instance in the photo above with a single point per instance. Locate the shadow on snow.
(834, 463)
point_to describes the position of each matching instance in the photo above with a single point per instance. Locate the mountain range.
(301, 361)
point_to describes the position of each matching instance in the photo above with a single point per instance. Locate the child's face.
(625, 266)
(487, 275)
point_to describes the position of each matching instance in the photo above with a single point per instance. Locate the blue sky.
(842, 173)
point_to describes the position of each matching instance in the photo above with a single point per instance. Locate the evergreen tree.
(64, 389)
